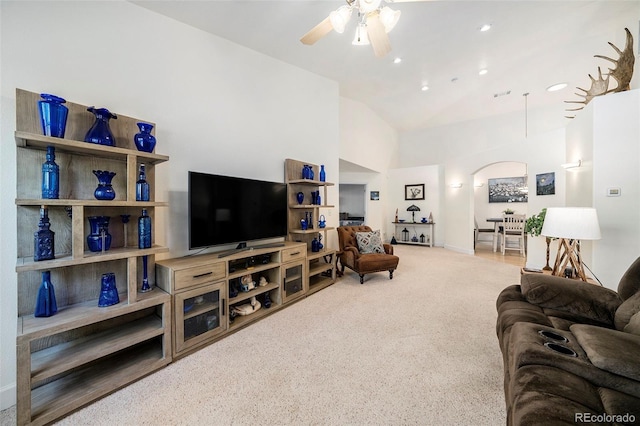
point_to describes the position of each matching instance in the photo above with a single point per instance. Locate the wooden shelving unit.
(320, 270)
(83, 352)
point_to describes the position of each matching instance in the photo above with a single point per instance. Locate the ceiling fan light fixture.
(389, 18)
(361, 38)
(339, 18)
(367, 6)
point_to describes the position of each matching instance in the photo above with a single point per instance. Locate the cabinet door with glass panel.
(293, 282)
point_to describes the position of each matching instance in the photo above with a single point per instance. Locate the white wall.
(218, 107)
(606, 136)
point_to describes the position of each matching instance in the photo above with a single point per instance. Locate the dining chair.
(477, 231)
(513, 229)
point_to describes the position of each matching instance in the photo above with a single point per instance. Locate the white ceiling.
(532, 45)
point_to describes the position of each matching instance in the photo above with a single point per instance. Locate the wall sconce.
(455, 185)
(478, 184)
(572, 165)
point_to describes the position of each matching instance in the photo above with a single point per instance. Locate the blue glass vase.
(44, 243)
(142, 186)
(99, 232)
(300, 197)
(46, 304)
(53, 115)
(144, 140)
(105, 190)
(323, 174)
(108, 291)
(144, 230)
(305, 172)
(100, 132)
(50, 175)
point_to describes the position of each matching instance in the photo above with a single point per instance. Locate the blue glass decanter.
(142, 186)
(100, 132)
(44, 243)
(50, 175)
(144, 230)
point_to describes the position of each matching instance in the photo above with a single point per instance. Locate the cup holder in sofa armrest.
(552, 336)
(561, 349)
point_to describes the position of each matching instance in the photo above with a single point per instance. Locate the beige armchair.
(363, 263)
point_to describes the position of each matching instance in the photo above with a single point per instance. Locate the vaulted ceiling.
(530, 46)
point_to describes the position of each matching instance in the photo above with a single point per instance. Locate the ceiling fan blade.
(317, 32)
(377, 35)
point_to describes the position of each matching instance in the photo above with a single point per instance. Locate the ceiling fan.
(374, 23)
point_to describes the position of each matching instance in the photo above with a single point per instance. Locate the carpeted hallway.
(419, 349)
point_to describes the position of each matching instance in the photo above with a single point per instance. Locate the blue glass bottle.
(50, 175)
(142, 186)
(144, 230)
(43, 241)
(46, 304)
(323, 175)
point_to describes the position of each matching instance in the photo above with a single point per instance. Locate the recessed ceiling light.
(397, 60)
(556, 87)
(454, 79)
(483, 71)
(424, 88)
(485, 27)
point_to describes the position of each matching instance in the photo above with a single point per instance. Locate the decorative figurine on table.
(247, 283)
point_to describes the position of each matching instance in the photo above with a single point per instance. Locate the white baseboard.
(459, 249)
(8, 396)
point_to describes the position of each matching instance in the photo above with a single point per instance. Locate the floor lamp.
(570, 225)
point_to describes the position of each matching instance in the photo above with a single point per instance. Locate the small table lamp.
(413, 209)
(570, 225)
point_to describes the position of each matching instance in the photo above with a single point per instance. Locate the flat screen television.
(225, 209)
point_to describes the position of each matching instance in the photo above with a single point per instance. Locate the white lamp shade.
(389, 18)
(367, 6)
(573, 223)
(361, 38)
(339, 18)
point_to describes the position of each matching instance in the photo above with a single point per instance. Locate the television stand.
(233, 251)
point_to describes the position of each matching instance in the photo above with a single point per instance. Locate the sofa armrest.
(572, 296)
(388, 248)
(349, 256)
(610, 350)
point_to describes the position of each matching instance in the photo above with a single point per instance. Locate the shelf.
(82, 314)
(413, 223)
(310, 231)
(242, 296)
(413, 243)
(201, 309)
(310, 206)
(25, 264)
(243, 320)
(257, 268)
(67, 356)
(319, 268)
(309, 182)
(318, 282)
(90, 203)
(82, 386)
(32, 140)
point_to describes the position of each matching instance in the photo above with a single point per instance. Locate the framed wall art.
(508, 190)
(414, 192)
(375, 195)
(546, 184)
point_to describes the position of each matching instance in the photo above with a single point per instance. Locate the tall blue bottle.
(144, 230)
(46, 300)
(323, 175)
(142, 186)
(43, 239)
(50, 175)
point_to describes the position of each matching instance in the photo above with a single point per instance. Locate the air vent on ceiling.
(497, 95)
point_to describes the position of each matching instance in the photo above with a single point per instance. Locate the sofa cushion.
(578, 298)
(630, 282)
(627, 309)
(610, 350)
(369, 242)
(634, 325)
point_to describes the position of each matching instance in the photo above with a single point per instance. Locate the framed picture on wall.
(375, 195)
(414, 192)
(508, 190)
(546, 184)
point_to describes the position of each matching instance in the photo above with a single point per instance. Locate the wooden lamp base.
(568, 253)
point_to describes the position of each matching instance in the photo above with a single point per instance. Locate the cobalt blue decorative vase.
(314, 245)
(99, 233)
(46, 301)
(323, 174)
(300, 197)
(144, 140)
(142, 186)
(108, 291)
(305, 172)
(100, 132)
(50, 175)
(144, 230)
(53, 115)
(44, 243)
(105, 190)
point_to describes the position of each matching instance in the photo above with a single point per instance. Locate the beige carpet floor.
(419, 349)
